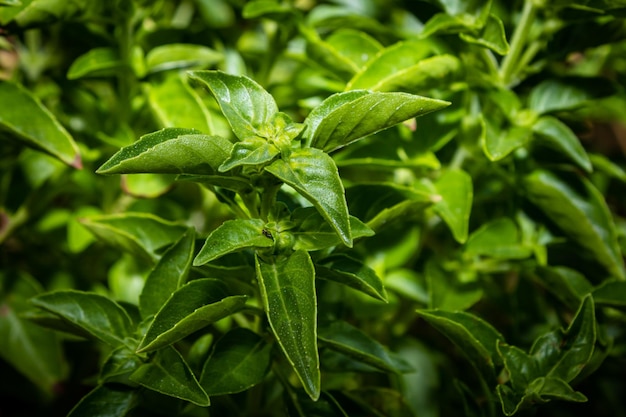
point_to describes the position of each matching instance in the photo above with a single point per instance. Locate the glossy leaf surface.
(168, 373)
(99, 316)
(351, 341)
(232, 236)
(29, 122)
(567, 93)
(347, 117)
(239, 361)
(475, 338)
(353, 273)
(138, 233)
(499, 239)
(192, 307)
(559, 136)
(95, 63)
(168, 275)
(105, 401)
(245, 104)
(313, 174)
(581, 213)
(288, 294)
(170, 151)
(314, 232)
(180, 55)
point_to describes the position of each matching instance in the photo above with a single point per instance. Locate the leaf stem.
(510, 63)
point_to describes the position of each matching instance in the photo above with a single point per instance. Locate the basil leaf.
(245, 104)
(288, 294)
(454, 204)
(105, 401)
(313, 174)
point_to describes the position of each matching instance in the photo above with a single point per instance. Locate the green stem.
(510, 64)
(268, 200)
(8, 224)
(126, 77)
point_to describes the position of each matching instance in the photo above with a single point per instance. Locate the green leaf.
(448, 292)
(347, 117)
(313, 174)
(567, 93)
(119, 365)
(232, 236)
(474, 337)
(96, 314)
(560, 137)
(498, 239)
(569, 285)
(406, 66)
(170, 151)
(168, 275)
(97, 62)
(492, 36)
(239, 361)
(10, 3)
(288, 293)
(195, 305)
(246, 105)
(140, 234)
(498, 144)
(105, 401)
(181, 55)
(581, 213)
(168, 373)
(345, 51)
(33, 351)
(267, 8)
(454, 204)
(313, 233)
(540, 391)
(564, 353)
(252, 151)
(351, 341)
(29, 122)
(171, 94)
(353, 273)
(611, 293)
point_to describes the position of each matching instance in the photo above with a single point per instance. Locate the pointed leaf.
(349, 340)
(350, 116)
(29, 122)
(195, 305)
(564, 353)
(314, 233)
(569, 285)
(288, 294)
(245, 104)
(119, 365)
(581, 213)
(567, 93)
(353, 273)
(168, 275)
(141, 234)
(394, 59)
(232, 236)
(492, 36)
(101, 317)
(239, 361)
(559, 136)
(181, 55)
(313, 174)
(168, 373)
(455, 190)
(105, 401)
(171, 94)
(476, 338)
(402, 67)
(170, 151)
(96, 62)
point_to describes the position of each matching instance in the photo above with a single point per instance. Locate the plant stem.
(510, 63)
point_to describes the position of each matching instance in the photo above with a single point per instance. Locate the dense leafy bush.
(309, 208)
